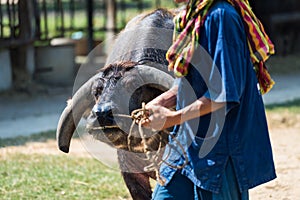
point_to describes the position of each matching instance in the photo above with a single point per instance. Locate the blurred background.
(32, 30)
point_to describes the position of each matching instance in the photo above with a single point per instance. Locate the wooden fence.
(43, 20)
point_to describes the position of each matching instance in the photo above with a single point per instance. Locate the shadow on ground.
(22, 140)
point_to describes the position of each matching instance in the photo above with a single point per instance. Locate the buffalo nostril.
(102, 110)
(103, 113)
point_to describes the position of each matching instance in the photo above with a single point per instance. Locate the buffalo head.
(118, 89)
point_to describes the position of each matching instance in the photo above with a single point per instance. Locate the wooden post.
(90, 15)
(110, 22)
(23, 54)
(26, 20)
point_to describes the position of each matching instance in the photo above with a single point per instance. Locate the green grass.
(38, 176)
(58, 177)
(292, 107)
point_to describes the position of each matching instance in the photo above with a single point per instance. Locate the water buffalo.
(135, 72)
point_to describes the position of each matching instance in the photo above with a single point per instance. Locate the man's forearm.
(162, 117)
(166, 99)
(199, 108)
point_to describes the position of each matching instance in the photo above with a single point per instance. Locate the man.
(219, 118)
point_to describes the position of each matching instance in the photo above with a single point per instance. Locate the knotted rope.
(152, 156)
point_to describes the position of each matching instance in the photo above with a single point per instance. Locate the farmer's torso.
(222, 71)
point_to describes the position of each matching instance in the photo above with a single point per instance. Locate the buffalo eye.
(97, 87)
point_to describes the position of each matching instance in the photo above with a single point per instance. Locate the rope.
(153, 157)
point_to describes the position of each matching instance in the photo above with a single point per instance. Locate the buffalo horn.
(72, 114)
(155, 76)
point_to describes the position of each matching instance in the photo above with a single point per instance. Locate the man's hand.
(160, 117)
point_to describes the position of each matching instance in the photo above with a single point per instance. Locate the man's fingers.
(144, 122)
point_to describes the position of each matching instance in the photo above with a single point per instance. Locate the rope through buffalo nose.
(141, 115)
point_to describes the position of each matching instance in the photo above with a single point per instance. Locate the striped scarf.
(187, 32)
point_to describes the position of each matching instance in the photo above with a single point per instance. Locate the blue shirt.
(222, 71)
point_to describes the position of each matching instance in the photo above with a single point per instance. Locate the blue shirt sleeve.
(227, 46)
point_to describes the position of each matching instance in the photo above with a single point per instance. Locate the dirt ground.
(284, 134)
(287, 160)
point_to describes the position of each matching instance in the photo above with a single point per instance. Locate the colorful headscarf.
(187, 32)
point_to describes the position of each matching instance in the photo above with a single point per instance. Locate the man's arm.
(166, 99)
(162, 118)
(199, 108)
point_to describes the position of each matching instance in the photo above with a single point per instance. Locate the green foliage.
(58, 177)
